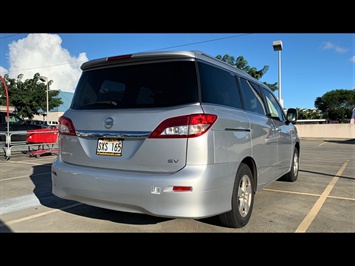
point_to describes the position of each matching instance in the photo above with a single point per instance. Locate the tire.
(242, 200)
(293, 174)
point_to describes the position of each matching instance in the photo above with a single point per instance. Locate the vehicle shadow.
(4, 228)
(346, 141)
(327, 174)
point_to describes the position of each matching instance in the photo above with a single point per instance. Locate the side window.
(218, 86)
(274, 108)
(13, 119)
(252, 97)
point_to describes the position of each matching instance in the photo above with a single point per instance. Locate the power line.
(170, 47)
(8, 36)
(207, 41)
(59, 64)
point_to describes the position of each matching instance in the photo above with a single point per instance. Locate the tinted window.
(13, 119)
(134, 86)
(253, 99)
(218, 86)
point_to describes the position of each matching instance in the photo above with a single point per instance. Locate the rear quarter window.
(218, 86)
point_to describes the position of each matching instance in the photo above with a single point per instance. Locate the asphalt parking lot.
(322, 200)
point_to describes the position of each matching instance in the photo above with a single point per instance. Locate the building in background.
(55, 113)
(4, 108)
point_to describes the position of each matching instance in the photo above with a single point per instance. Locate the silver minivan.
(175, 134)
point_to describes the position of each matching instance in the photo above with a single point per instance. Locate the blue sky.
(311, 63)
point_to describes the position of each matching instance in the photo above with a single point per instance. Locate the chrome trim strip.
(113, 134)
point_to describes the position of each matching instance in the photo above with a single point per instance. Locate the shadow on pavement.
(347, 141)
(4, 228)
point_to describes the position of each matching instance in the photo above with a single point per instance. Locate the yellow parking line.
(304, 225)
(23, 176)
(39, 215)
(25, 162)
(292, 192)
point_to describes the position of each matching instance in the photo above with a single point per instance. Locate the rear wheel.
(242, 200)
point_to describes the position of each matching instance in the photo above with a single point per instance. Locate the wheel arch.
(298, 147)
(251, 163)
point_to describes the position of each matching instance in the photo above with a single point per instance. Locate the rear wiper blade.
(113, 103)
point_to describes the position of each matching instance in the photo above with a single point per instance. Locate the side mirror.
(292, 115)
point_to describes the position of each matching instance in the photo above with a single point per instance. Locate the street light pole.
(45, 79)
(278, 47)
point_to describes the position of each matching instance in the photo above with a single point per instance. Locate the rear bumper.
(147, 193)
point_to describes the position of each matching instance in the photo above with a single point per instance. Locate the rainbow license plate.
(109, 147)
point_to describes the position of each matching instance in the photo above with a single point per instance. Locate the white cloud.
(3, 71)
(341, 50)
(328, 45)
(352, 59)
(44, 54)
(338, 49)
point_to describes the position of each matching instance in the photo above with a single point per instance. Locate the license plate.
(109, 147)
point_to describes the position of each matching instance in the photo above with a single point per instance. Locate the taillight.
(66, 126)
(187, 126)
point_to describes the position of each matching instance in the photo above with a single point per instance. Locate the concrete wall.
(323, 131)
(326, 131)
(52, 116)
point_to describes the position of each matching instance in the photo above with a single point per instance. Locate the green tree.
(304, 113)
(29, 97)
(336, 104)
(272, 87)
(242, 64)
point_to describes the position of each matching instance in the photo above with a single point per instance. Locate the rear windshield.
(137, 86)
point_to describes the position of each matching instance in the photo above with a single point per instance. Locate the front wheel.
(242, 200)
(293, 174)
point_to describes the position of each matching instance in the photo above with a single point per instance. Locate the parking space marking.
(13, 178)
(39, 215)
(292, 192)
(24, 162)
(18, 203)
(23, 176)
(304, 225)
(306, 194)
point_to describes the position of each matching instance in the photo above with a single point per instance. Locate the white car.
(53, 124)
(175, 134)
